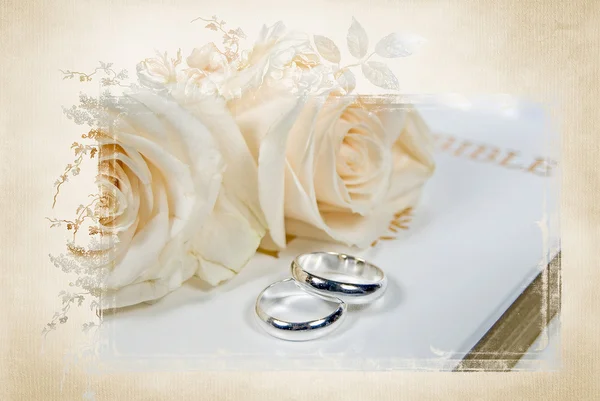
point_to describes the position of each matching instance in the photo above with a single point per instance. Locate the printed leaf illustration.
(327, 49)
(398, 45)
(358, 41)
(346, 79)
(380, 75)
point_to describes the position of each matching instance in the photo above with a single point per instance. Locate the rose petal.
(241, 176)
(416, 141)
(271, 173)
(150, 289)
(213, 273)
(137, 164)
(146, 245)
(354, 229)
(301, 142)
(128, 191)
(181, 197)
(226, 238)
(181, 131)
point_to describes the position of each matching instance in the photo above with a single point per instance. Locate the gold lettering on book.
(449, 142)
(490, 154)
(542, 167)
(399, 222)
(506, 162)
(478, 152)
(493, 155)
(461, 149)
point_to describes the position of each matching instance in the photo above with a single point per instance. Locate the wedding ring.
(353, 280)
(286, 311)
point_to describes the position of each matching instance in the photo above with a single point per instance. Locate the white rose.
(279, 58)
(208, 58)
(348, 168)
(208, 69)
(159, 71)
(170, 199)
(328, 167)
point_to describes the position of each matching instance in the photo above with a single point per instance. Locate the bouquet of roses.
(205, 159)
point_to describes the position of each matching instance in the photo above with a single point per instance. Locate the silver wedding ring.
(286, 311)
(313, 302)
(353, 280)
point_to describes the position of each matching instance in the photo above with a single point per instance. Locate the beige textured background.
(544, 50)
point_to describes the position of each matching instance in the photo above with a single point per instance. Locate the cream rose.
(208, 69)
(369, 162)
(329, 167)
(159, 71)
(342, 171)
(170, 201)
(280, 59)
(208, 59)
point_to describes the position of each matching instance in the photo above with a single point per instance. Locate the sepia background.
(547, 51)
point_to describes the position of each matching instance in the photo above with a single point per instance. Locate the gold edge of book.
(514, 333)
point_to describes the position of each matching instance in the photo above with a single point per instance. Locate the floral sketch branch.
(111, 76)
(231, 37)
(80, 261)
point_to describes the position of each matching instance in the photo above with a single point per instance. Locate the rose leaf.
(398, 45)
(346, 79)
(358, 41)
(327, 49)
(380, 75)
